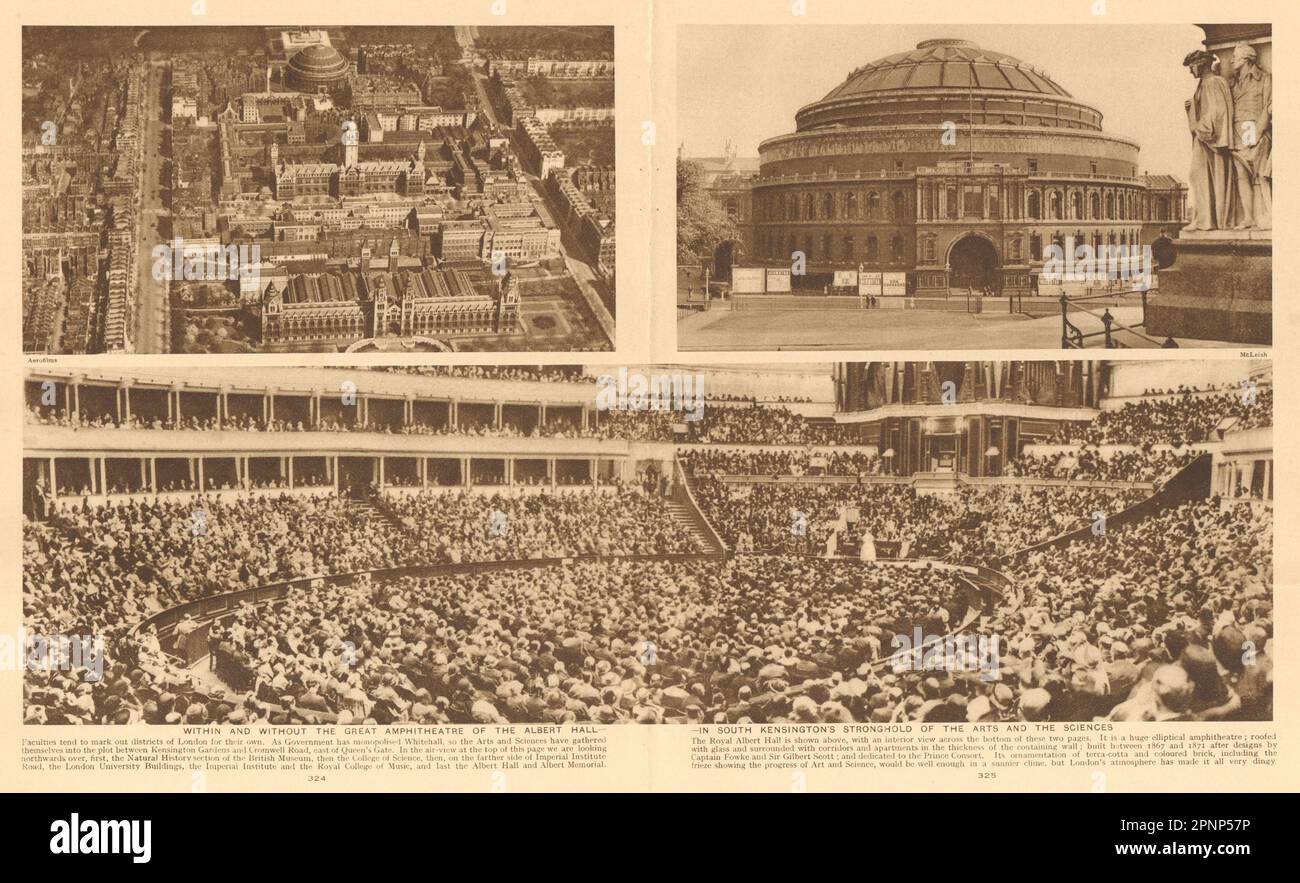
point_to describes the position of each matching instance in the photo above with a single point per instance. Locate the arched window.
(1076, 205)
(1035, 247)
(896, 248)
(1054, 205)
(1110, 205)
(850, 253)
(898, 205)
(809, 209)
(873, 249)
(851, 205)
(1094, 206)
(1035, 205)
(873, 205)
(828, 206)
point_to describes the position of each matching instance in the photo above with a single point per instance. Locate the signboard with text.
(747, 280)
(778, 280)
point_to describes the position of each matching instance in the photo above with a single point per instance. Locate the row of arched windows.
(1053, 204)
(829, 248)
(315, 329)
(846, 205)
(1124, 238)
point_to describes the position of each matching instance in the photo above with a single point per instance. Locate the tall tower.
(508, 304)
(271, 301)
(380, 309)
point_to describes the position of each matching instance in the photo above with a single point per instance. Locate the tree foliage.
(702, 223)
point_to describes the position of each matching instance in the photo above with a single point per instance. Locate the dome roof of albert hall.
(946, 63)
(318, 61)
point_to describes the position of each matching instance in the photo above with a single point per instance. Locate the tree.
(702, 223)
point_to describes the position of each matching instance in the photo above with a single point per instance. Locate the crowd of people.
(779, 461)
(1175, 418)
(1163, 617)
(460, 527)
(99, 570)
(759, 424)
(534, 373)
(607, 642)
(1166, 619)
(1087, 463)
(631, 425)
(766, 425)
(1169, 618)
(755, 400)
(970, 526)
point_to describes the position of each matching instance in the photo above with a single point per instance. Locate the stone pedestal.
(1219, 288)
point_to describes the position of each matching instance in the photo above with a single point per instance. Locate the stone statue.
(1209, 118)
(1252, 144)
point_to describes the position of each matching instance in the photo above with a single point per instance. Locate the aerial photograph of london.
(971, 186)
(317, 189)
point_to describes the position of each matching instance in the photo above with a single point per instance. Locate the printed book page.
(512, 396)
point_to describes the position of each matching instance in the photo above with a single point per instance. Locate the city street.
(582, 272)
(151, 307)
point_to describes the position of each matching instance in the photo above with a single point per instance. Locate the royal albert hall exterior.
(953, 163)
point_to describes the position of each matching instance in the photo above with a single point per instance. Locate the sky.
(757, 76)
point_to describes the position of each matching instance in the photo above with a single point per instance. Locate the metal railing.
(1074, 337)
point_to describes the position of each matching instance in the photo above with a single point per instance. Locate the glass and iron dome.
(947, 63)
(948, 79)
(317, 64)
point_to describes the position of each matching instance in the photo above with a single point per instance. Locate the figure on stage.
(868, 550)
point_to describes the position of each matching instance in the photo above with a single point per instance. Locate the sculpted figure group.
(1231, 179)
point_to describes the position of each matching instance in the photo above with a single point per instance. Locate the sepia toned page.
(925, 442)
(270, 250)
(945, 215)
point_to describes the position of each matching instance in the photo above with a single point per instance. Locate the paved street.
(151, 308)
(579, 269)
(847, 329)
